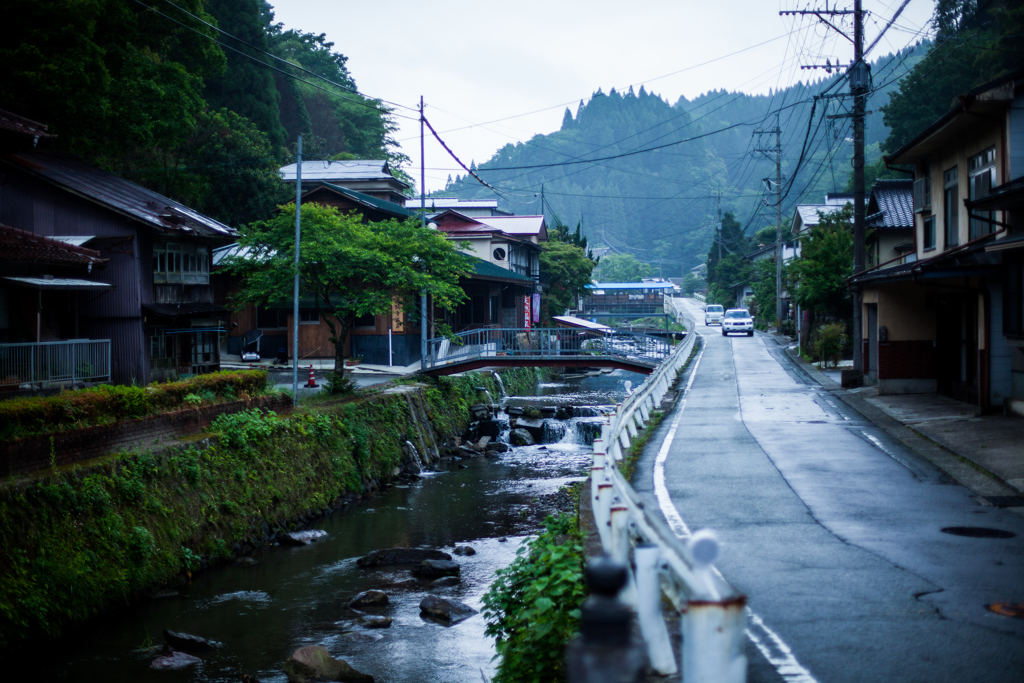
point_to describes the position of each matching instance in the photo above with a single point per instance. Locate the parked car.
(738, 320)
(713, 314)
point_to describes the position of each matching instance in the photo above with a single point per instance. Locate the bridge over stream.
(545, 347)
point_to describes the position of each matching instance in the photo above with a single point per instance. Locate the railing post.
(713, 640)
(619, 517)
(648, 607)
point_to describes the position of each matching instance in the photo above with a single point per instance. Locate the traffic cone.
(311, 384)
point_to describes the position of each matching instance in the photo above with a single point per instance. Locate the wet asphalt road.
(832, 530)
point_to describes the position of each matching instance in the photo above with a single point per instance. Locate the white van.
(713, 314)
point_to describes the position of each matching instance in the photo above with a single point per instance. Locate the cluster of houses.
(102, 280)
(943, 291)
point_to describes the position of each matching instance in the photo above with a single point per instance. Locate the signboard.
(636, 297)
(526, 310)
(536, 307)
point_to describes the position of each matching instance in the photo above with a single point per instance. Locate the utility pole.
(718, 230)
(859, 76)
(542, 199)
(295, 289)
(423, 222)
(776, 151)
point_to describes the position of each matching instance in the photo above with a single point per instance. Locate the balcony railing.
(46, 364)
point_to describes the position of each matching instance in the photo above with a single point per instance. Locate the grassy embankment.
(81, 539)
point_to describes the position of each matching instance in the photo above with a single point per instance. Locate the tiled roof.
(441, 203)
(25, 247)
(892, 205)
(328, 171)
(19, 124)
(117, 194)
(630, 285)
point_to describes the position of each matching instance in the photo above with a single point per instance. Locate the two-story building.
(371, 177)
(151, 299)
(947, 317)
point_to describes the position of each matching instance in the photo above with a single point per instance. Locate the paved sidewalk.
(983, 452)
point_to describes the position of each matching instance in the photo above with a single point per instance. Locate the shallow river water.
(297, 596)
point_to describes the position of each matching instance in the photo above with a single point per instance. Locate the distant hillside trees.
(621, 268)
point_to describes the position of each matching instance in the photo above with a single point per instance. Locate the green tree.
(568, 273)
(732, 241)
(561, 232)
(247, 86)
(817, 278)
(621, 268)
(348, 268)
(691, 283)
(763, 283)
(114, 81)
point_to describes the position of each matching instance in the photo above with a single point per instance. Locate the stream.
(297, 596)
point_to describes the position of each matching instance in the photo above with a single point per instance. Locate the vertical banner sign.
(526, 311)
(536, 307)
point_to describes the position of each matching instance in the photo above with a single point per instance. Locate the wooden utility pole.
(776, 152)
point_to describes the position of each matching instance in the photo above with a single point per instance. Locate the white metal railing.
(45, 364)
(713, 617)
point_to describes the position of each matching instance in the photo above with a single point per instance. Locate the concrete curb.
(959, 466)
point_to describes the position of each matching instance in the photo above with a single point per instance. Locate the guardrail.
(712, 611)
(44, 364)
(547, 343)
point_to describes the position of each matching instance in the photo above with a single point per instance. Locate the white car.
(738, 320)
(713, 314)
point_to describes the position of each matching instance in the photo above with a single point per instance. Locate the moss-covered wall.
(78, 540)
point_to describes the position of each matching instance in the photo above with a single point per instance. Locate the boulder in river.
(314, 663)
(480, 411)
(491, 428)
(445, 582)
(445, 610)
(562, 414)
(432, 569)
(189, 642)
(464, 550)
(377, 622)
(370, 598)
(497, 447)
(245, 561)
(301, 537)
(174, 661)
(392, 556)
(520, 437)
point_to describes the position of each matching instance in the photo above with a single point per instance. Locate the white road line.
(771, 646)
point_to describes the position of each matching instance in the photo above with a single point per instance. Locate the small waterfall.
(501, 385)
(587, 411)
(490, 399)
(582, 430)
(555, 431)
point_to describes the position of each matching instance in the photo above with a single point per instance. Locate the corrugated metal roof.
(117, 194)
(74, 240)
(892, 204)
(631, 285)
(327, 171)
(573, 321)
(488, 269)
(57, 283)
(442, 203)
(230, 250)
(26, 247)
(809, 212)
(516, 225)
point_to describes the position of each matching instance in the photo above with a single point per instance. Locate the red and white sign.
(526, 310)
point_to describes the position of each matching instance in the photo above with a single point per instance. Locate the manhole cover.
(1005, 501)
(1008, 609)
(977, 532)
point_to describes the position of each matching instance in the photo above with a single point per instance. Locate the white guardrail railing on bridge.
(712, 612)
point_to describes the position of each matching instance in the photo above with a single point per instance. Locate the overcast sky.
(478, 62)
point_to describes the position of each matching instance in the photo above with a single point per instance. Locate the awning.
(192, 310)
(64, 283)
(74, 240)
(580, 323)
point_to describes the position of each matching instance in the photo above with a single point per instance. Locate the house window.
(309, 316)
(981, 173)
(181, 263)
(366, 322)
(927, 184)
(929, 233)
(203, 345)
(271, 318)
(161, 351)
(951, 207)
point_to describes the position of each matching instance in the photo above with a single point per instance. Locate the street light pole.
(295, 290)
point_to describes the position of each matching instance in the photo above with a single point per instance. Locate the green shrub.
(831, 339)
(533, 606)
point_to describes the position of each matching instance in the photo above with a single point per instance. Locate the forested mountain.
(153, 91)
(660, 205)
